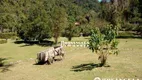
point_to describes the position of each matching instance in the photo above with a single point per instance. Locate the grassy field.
(79, 63)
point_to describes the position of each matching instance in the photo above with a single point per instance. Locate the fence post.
(62, 43)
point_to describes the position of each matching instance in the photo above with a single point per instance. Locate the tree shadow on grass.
(129, 37)
(4, 67)
(44, 43)
(85, 67)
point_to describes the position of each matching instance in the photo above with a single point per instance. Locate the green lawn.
(79, 63)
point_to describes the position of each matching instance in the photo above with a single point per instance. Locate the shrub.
(129, 26)
(3, 41)
(126, 34)
(103, 43)
(139, 30)
(7, 35)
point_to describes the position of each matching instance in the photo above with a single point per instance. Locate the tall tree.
(35, 23)
(58, 19)
(7, 17)
(113, 11)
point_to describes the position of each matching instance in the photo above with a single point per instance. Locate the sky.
(99, 0)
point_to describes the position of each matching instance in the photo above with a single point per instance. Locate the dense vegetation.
(37, 20)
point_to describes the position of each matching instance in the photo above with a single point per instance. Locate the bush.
(139, 30)
(3, 41)
(129, 26)
(126, 34)
(7, 35)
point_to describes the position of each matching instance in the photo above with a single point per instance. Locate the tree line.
(42, 19)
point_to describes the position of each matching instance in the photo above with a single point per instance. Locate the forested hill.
(40, 19)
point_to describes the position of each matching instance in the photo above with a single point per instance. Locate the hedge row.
(128, 34)
(7, 35)
(3, 41)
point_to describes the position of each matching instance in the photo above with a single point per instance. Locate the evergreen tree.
(58, 19)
